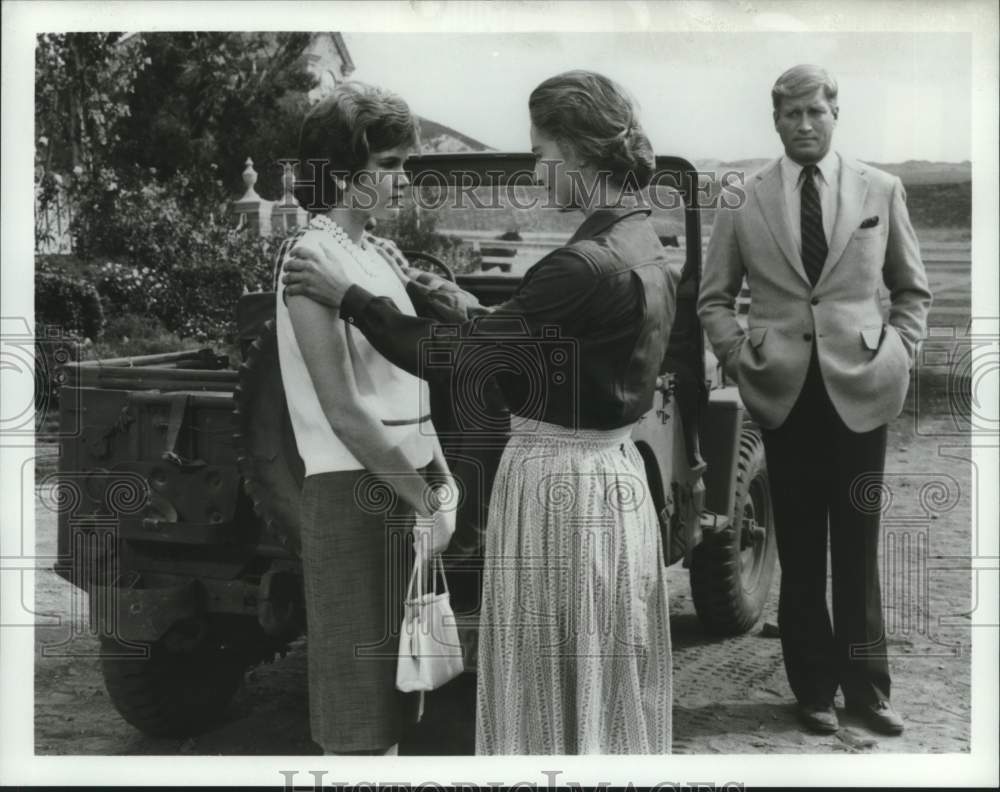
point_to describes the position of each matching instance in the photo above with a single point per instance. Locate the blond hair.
(801, 80)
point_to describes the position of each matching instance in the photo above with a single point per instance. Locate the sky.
(703, 95)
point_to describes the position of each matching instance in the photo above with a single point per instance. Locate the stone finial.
(249, 179)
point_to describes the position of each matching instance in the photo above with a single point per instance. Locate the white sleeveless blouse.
(396, 397)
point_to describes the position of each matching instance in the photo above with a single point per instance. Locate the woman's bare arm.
(322, 340)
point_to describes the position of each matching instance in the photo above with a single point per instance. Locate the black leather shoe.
(879, 716)
(821, 718)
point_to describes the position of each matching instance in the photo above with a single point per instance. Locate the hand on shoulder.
(315, 269)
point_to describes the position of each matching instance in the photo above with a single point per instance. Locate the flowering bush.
(175, 251)
(131, 290)
(203, 304)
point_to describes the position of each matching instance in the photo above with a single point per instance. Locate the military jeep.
(185, 481)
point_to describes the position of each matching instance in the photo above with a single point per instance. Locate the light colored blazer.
(865, 362)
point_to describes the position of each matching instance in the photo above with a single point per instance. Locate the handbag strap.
(417, 577)
(439, 567)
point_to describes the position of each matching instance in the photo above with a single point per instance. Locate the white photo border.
(23, 20)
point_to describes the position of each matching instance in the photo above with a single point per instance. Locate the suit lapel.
(771, 199)
(850, 203)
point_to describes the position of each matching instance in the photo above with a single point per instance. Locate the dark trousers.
(821, 474)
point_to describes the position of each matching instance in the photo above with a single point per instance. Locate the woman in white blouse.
(362, 427)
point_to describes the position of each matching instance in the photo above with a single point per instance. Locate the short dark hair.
(801, 80)
(340, 134)
(599, 121)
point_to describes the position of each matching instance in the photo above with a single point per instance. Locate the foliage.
(65, 301)
(170, 250)
(68, 317)
(83, 83)
(150, 132)
(47, 192)
(130, 291)
(211, 99)
(109, 107)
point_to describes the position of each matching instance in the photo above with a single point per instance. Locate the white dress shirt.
(827, 185)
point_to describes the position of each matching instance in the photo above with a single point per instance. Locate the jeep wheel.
(731, 570)
(172, 693)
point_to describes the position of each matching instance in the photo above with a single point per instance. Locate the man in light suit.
(822, 373)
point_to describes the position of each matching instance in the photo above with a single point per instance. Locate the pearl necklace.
(324, 223)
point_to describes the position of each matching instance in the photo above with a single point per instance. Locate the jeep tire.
(172, 693)
(731, 570)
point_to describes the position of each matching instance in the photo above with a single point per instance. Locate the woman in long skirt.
(574, 653)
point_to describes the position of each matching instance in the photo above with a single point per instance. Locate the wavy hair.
(801, 80)
(340, 134)
(599, 121)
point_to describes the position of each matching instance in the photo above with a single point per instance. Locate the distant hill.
(437, 138)
(911, 171)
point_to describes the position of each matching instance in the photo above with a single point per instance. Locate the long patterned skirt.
(574, 647)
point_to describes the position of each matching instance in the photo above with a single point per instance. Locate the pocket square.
(871, 222)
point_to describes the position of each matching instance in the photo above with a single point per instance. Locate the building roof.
(429, 130)
(340, 44)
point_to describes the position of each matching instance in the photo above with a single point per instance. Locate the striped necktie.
(813, 238)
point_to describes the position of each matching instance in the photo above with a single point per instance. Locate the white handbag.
(430, 653)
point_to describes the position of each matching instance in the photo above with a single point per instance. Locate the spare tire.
(266, 452)
(731, 570)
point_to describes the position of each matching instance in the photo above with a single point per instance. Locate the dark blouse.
(579, 344)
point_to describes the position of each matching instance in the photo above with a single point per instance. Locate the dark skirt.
(356, 560)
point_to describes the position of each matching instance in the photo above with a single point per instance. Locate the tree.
(83, 83)
(173, 102)
(212, 98)
(155, 128)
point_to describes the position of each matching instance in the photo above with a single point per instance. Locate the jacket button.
(807, 336)
(814, 301)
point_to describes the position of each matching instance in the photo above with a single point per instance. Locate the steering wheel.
(419, 255)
